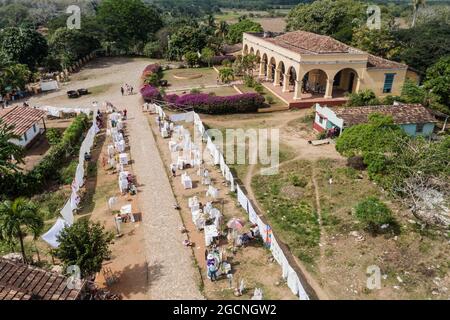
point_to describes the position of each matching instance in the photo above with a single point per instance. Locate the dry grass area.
(208, 78)
(337, 250)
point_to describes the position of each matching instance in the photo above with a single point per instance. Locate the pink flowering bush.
(150, 93)
(205, 103)
(171, 98)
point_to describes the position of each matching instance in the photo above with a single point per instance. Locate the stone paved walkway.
(172, 274)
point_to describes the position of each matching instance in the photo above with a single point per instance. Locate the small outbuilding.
(414, 119)
(28, 123)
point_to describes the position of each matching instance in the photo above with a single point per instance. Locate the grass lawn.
(208, 78)
(286, 199)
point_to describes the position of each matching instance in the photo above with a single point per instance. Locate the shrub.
(259, 88)
(373, 214)
(53, 136)
(298, 182)
(270, 99)
(152, 71)
(68, 173)
(205, 103)
(153, 50)
(195, 91)
(249, 81)
(171, 98)
(150, 93)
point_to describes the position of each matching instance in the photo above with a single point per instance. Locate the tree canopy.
(327, 17)
(23, 46)
(84, 244)
(236, 30)
(128, 23)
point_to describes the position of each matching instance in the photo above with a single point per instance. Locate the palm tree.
(226, 75)
(416, 4)
(222, 29)
(210, 21)
(17, 218)
(10, 154)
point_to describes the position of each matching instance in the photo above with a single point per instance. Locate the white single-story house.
(414, 119)
(28, 123)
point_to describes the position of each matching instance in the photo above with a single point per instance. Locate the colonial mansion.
(304, 68)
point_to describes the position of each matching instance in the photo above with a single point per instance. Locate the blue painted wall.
(411, 129)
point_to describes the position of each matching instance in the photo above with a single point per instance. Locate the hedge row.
(210, 104)
(35, 181)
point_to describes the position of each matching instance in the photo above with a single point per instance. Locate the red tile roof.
(22, 118)
(19, 281)
(304, 42)
(401, 114)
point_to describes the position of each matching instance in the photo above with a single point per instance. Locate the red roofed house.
(414, 119)
(305, 68)
(28, 123)
(19, 281)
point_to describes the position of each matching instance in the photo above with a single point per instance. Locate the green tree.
(13, 75)
(373, 214)
(128, 23)
(207, 56)
(24, 46)
(153, 49)
(17, 218)
(9, 150)
(438, 81)
(222, 29)
(236, 30)
(423, 45)
(13, 15)
(334, 18)
(363, 98)
(71, 45)
(226, 75)
(378, 42)
(191, 58)
(372, 141)
(84, 244)
(186, 39)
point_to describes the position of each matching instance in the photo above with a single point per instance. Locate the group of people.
(127, 90)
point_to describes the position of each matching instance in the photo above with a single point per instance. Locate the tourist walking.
(122, 90)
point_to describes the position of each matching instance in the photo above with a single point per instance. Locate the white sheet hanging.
(67, 213)
(51, 236)
(242, 199)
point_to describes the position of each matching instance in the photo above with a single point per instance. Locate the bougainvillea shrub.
(150, 93)
(205, 103)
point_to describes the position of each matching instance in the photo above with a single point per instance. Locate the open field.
(208, 77)
(316, 220)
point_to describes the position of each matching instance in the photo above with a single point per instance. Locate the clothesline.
(72, 203)
(288, 272)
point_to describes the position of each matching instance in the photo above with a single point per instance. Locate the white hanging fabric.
(51, 236)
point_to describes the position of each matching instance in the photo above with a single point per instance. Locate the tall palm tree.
(416, 5)
(222, 29)
(17, 218)
(9, 150)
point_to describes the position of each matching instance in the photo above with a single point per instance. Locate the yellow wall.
(331, 64)
(374, 80)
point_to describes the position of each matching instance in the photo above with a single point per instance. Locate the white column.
(276, 81)
(269, 71)
(358, 84)
(286, 79)
(261, 69)
(329, 89)
(298, 90)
